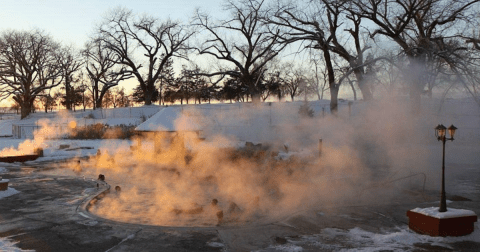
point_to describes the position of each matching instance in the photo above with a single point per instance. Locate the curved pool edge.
(84, 210)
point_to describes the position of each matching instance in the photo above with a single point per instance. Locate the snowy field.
(404, 143)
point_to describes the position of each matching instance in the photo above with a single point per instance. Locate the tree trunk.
(99, 103)
(331, 82)
(148, 98)
(26, 108)
(364, 86)
(353, 90)
(417, 70)
(256, 98)
(334, 100)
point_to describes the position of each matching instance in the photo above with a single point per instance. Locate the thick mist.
(257, 163)
(171, 178)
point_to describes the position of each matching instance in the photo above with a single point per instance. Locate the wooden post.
(319, 147)
(350, 108)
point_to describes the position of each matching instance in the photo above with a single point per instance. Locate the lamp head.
(440, 131)
(451, 130)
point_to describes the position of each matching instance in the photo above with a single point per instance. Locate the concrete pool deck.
(48, 214)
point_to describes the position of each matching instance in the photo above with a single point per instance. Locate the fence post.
(320, 147)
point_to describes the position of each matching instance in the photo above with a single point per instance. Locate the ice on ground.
(283, 248)
(357, 239)
(450, 213)
(216, 244)
(7, 245)
(9, 192)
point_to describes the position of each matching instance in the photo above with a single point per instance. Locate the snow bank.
(9, 192)
(450, 213)
(8, 245)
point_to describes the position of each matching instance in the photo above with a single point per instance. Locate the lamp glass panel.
(451, 131)
(440, 130)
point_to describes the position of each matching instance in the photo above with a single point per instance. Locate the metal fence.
(27, 131)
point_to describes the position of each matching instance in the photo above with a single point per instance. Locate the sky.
(71, 21)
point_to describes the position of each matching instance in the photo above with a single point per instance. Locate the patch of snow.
(283, 248)
(9, 192)
(215, 244)
(170, 119)
(84, 215)
(283, 156)
(3, 170)
(129, 237)
(7, 245)
(357, 239)
(450, 213)
(90, 223)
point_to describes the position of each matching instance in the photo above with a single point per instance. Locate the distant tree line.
(368, 46)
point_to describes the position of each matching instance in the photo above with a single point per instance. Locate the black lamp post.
(440, 131)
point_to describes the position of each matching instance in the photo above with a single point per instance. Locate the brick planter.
(454, 222)
(3, 184)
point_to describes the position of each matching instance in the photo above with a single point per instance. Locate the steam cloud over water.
(172, 178)
(177, 179)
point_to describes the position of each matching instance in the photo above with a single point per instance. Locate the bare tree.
(47, 101)
(274, 85)
(249, 48)
(28, 66)
(86, 100)
(70, 64)
(143, 45)
(320, 79)
(102, 70)
(167, 78)
(121, 99)
(422, 29)
(294, 80)
(332, 28)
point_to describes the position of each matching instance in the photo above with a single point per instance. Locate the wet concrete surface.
(49, 215)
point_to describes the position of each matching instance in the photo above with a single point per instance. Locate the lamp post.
(440, 131)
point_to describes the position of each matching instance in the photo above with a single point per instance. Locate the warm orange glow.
(72, 124)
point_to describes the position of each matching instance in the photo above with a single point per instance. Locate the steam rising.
(45, 131)
(177, 179)
(172, 178)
